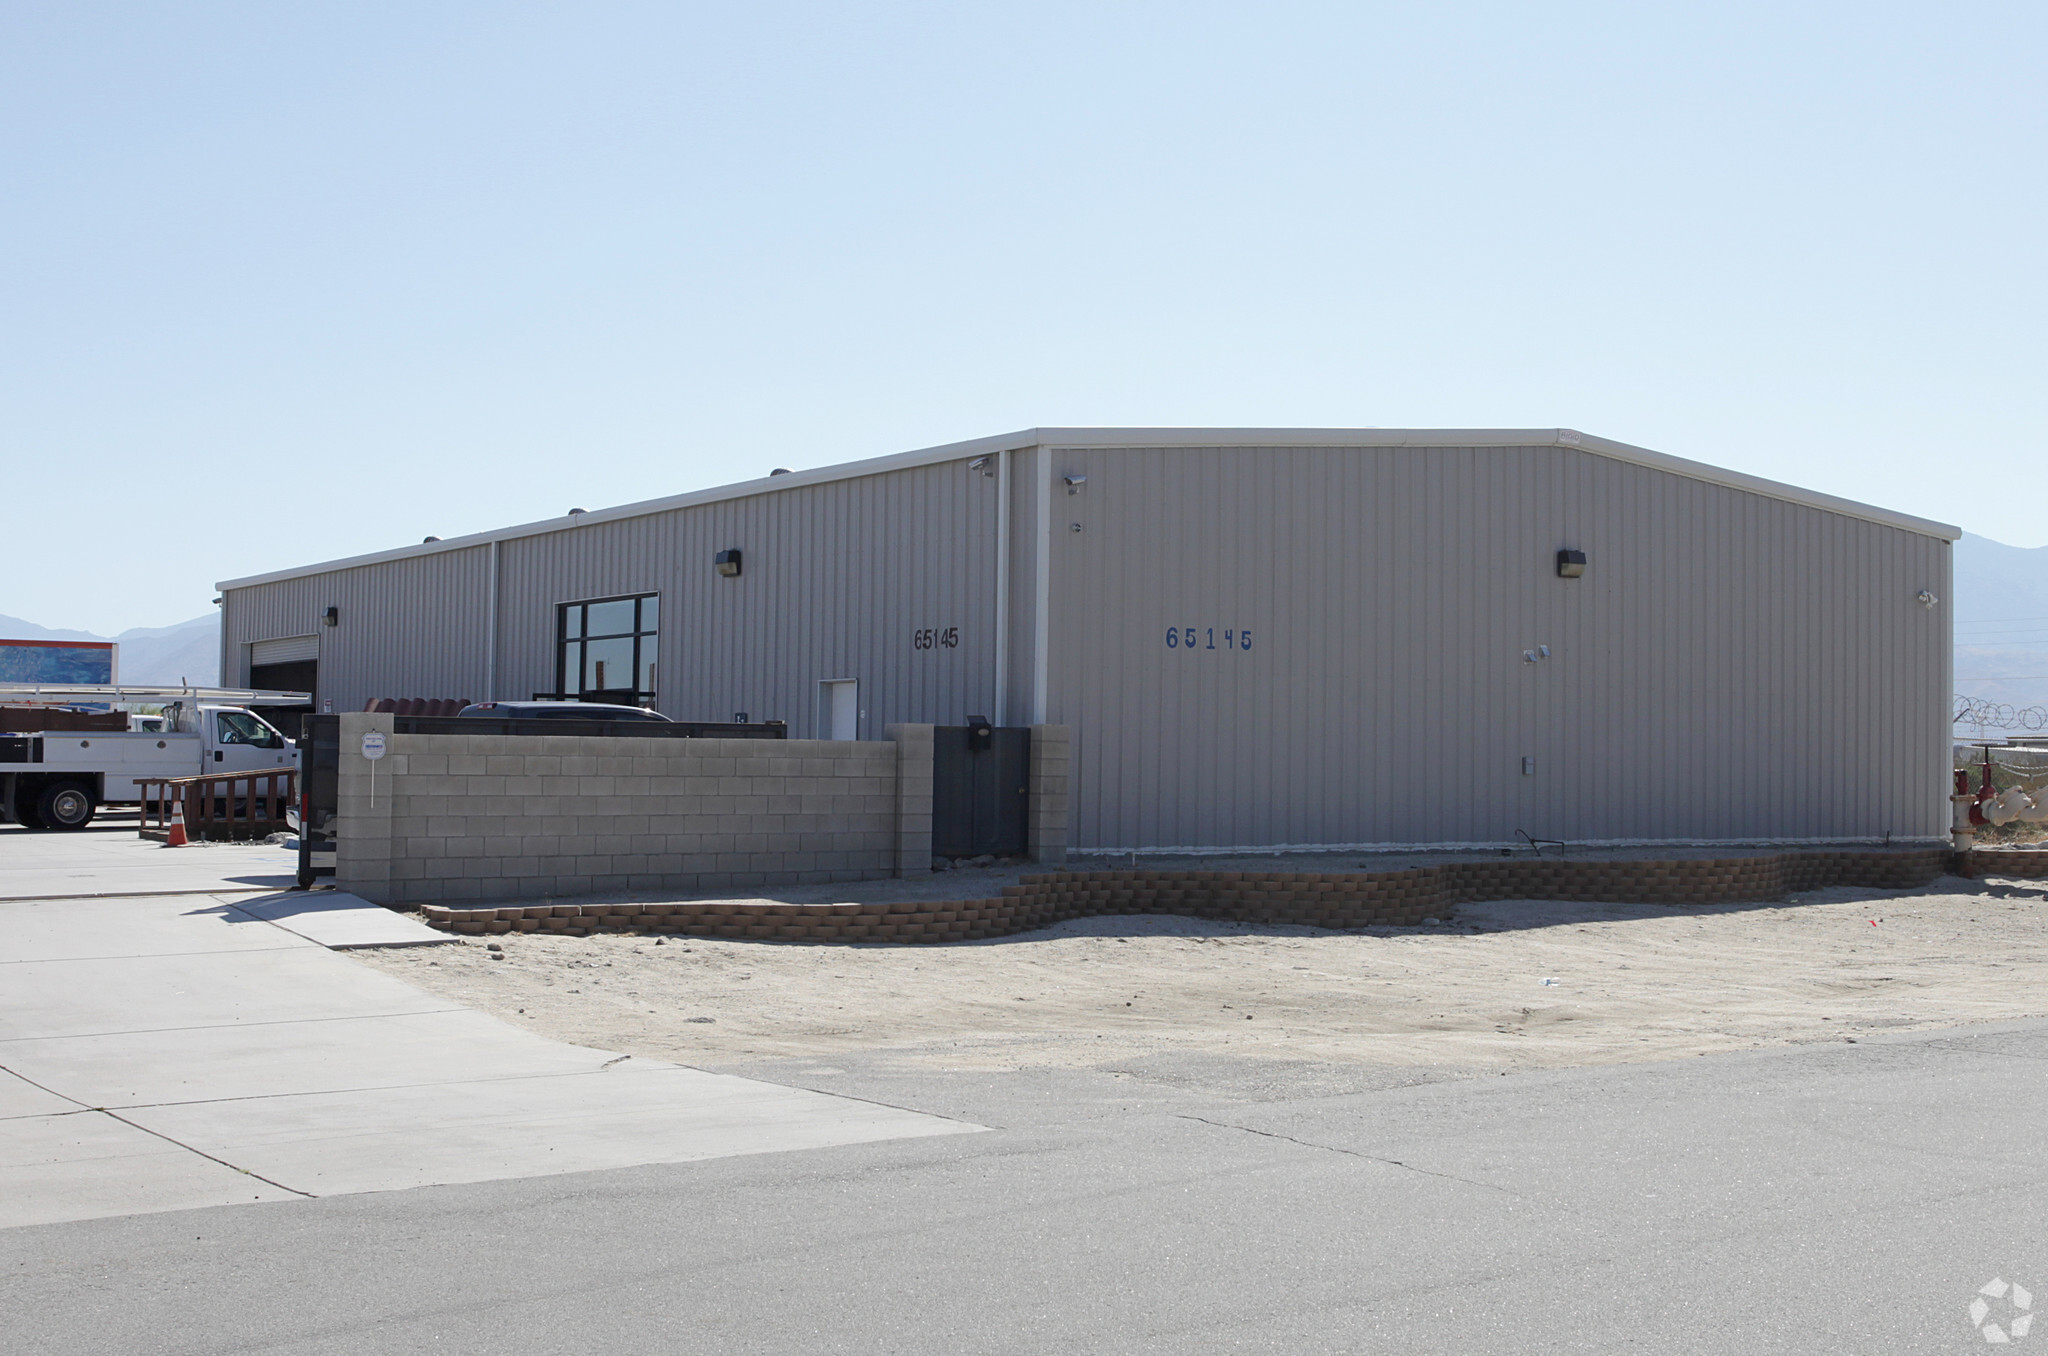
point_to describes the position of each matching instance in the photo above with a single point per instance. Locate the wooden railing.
(220, 807)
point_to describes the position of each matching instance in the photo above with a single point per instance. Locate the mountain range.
(2001, 621)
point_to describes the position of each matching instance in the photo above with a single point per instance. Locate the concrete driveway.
(162, 1053)
(110, 858)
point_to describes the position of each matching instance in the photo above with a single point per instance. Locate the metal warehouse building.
(1330, 637)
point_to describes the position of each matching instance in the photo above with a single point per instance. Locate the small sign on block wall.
(373, 749)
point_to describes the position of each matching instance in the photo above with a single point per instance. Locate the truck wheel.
(66, 805)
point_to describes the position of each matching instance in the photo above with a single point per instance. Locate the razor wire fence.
(1990, 715)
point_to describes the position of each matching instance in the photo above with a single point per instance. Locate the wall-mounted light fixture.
(1075, 483)
(981, 732)
(331, 617)
(728, 563)
(979, 463)
(1571, 564)
(1927, 600)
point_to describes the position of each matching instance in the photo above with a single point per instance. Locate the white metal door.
(839, 709)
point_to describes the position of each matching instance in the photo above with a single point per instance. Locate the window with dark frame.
(608, 645)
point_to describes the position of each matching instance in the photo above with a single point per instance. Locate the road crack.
(84, 1107)
(1354, 1153)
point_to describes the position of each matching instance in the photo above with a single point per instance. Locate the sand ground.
(1510, 985)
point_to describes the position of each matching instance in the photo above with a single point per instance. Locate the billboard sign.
(58, 661)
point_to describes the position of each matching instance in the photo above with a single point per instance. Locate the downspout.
(491, 632)
(1002, 707)
(1041, 621)
(226, 647)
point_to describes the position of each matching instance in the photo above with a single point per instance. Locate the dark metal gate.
(981, 791)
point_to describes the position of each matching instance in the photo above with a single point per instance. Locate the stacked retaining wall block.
(2023, 863)
(1348, 900)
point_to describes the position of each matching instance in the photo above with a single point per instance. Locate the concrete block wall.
(1328, 900)
(459, 817)
(362, 846)
(914, 751)
(1051, 766)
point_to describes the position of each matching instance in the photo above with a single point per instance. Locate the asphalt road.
(1834, 1198)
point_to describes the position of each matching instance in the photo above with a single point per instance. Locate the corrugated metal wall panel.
(836, 580)
(1731, 666)
(408, 628)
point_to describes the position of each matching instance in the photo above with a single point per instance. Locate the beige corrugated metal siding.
(1731, 666)
(836, 580)
(412, 628)
(1734, 665)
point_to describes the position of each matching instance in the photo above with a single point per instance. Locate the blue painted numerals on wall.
(1218, 638)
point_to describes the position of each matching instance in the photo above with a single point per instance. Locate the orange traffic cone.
(177, 836)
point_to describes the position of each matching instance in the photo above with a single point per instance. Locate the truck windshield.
(239, 727)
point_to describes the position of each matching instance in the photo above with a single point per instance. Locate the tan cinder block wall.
(362, 846)
(462, 817)
(1051, 755)
(915, 745)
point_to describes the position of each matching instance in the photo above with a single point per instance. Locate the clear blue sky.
(280, 283)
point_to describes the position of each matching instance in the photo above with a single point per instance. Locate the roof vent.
(779, 471)
(425, 540)
(574, 512)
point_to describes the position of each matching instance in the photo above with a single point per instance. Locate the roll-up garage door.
(285, 650)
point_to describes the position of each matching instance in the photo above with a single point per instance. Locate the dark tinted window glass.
(610, 619)
(608, 645)
(608, 665)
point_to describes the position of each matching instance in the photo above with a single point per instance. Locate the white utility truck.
(58, 779)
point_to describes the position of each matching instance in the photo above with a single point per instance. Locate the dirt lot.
(1507, 985)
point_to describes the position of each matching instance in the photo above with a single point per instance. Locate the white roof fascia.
(1087, 438)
